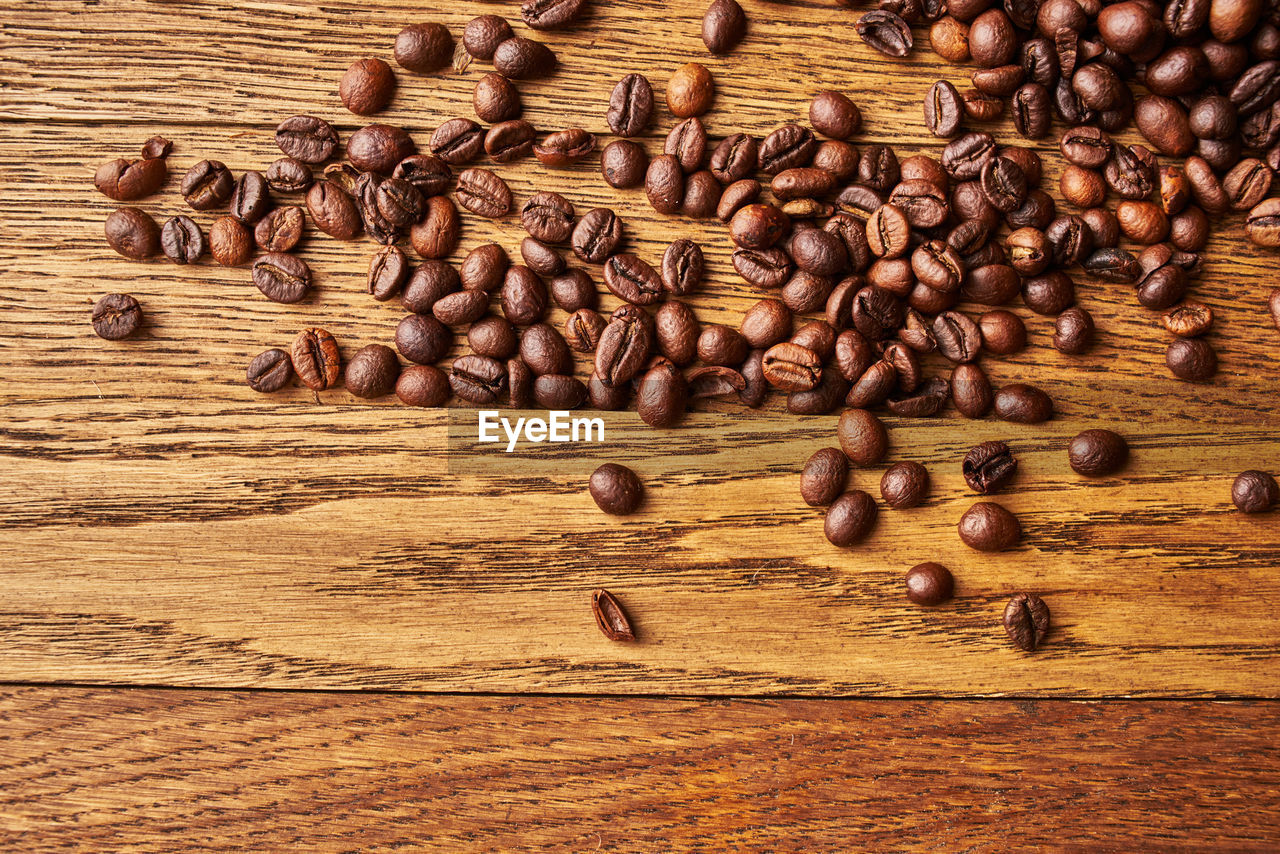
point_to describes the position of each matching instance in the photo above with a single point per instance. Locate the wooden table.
(301, 621)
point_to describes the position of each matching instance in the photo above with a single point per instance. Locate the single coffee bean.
(929, 584)
(758, 226)
(422, 385)
(433, 280)
(495, 99)
(988, 467)
(835, 115)
(1188, 319)
(545, 351)
(824, 477)
(116, 316)
(251, 198)
(490, 336)
(372, 371)
(523, 296)
(457, 141)
(690, 90)
(573, 289)
(878, 168)
(788, 366)
(1113, 265)
(1073, 331)
(596, 236)
(1192, 359)
(519, 58)
(734, 158)
(460, 307)
(904, 485)
(280, 230)
(333, 211)
(127, 180)
(785, 148)
(971, 391)
(564, 148)
(482, 35)
(959, 338)
(630, 105)
(886, 33)
(315, 359)
(850, 518)
(1262, 224)
(1247, 183)
(862, 436)
(989, 527)
(678, 332)
(822, 398)
(423, 47)
(423, 339)
(436, 234)
(427, 172)
(269, 371)
(662, 395)
(376, 225)
(1003, 332)
(542, 259)
(484, 267)
(943, 110)
(664, 184)
(723, 26)
(1254, 492)
(888, 232)
(282, 278)
(616, 489)
(1023, 404)
(687, 142)
(478, 379)
(1049, 294)
(582, 330)
(182, 240)
(1128, 174)
(682, 266)
(1097, 453)
(156, 148)
(752, 370)
(1162, 287)
(721, 345)
(611, 619)
(230, 243)
(623, 164)
(207, 185)
(551, 14)
(632, 279)
(307, 139)
(623, 350)
(367, 86)
(1086, 147)
(963, 157)
(483, 193)
(766, 323)
(1026, 620)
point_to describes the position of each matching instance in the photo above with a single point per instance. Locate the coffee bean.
(1192, 359)
(457, 141)
(116, 316)
(541, 258)
(490, 336)
(678, 332)
(484, 193)
(423, 339)
(1263, 224)
(399, 202)
(427, 172)
(850, 518)
(923, 203)
(929, 584)
(723, 26)
(597, 235)
(820, 253)
(1026, 620)
(988, 467)
(1097, 453)
(432, 281)
(734, 158)
(564, 148)
(989, 527)
(509, 141)
(282, 278)
(611, 619)
(785, 148)
(943, 110)
(559, 391)
(422, 385)
(971, 391)
(1023, 404)
(573, 289)
(904, 485)
(367, 86)
(524, 296)
(461, 307)
(1255, 492)
(376, 225)
(1003, 183)
(484, 267)
(482, 35)
(878, 168)
(1049, 294)
(630, 105)
(824, 477)
(963, 157)
(307, 139)
(182, 240)
(280, 230)
(519, 58)
(721, 345)
(372, 371)
(1086, 147)
(333, 211)
(1162, 287)
(269, 371)
(758, 226)
(207, 185)
(616, 489)
(127, 180)
(886, 33)
(230, 243)
(788, 366)
(623, 349)
(822, 398)
(1073, 331)
(343, 176)
(958, 337)
(862, 437)
(835, 115)
(551, 14)
(495, 99)
(436, 234)
(423, 47)
(888, 232)
(545, 351)
(662, 395)
(1032, 113)
(478, 379)
(1188, 319)
(991, 284)
(690, 91)
(315, 359)
(1247, 184)
(1102, 223)
(980, 107)
(582, 330)
(1113, 265)
(623, 164)
(632, 279)
(1127, 174)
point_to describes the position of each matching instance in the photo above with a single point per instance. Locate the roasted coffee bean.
(280, 230)
(818, 252)
(963, 157)
(574, 289)
(921, 201)
(701, 195)
(878, 168)
(432, 280)
(478, 379)
(862, 436)
(482, 35)
(483, 193)
(564, 148)
(1142, 222)
(886, 33)
(1003, 183)
(1023, 404)
(1073, 331)
(723, 26)
(1070, 240)
(632, 279)
(1097, 453)
(1102, 223)
(833, 114)
(859, 201)
(1113, 265)
(460, 307)
(805, 292)
(687, 142)
(989, 527)
(611, 619)
(1086, 147)
(156, 148)
(929, 584)
(1188, 319)
(664, 184)
(623, 164)
(422, 385)
(230, 243)
(1254, 492)
(1192, 359)
(519, 58)
(1026, 620)
(678, 332)
(662, 395)
(367, 86)
(876, 313)
(127, 180)
(925, 401)
(427, 172)
(850, 518)
(1128, 174)
(250, 198)
(873, 386)
(888, 232)
(992, 40)
(399, 202)
(785, 148)
(971, 391)
(457, 141)
(378, 148)
(752, 371)
(376, 225)
(824, 477)
(1003, 332)
(682, 267)
(690, 90)
(1036, 212)
(904, 485)
(1029, 251)
(980, 107)
(372, 371)
(509, 141)
(917, 332)
(1082, 187)
(182, 240)
(496, 99)
(551, 14)
(1257, 88)
(943, 110)
(307, 138)
(623, 350)
(720, 345)
(958, 337)
(766, 323)
(269, 371)
(1162, 287)
(787, 366)
(714, 381)
(520, 382)
(484, 267)
(758, 226)
(801, 182)
(734, 158)
(765, 268)
(283, 278)
(583, 328)
(545, 351)
(1032, 111)
(436, 234)
(1247, 184)
(949, 39)
(423, 339)
(616, 490)
(207, 185)
(1273, 305)
(630, 105)
(315, 359)
(991, 284)
(523, 296)
(490, 336)
(343, 176)
(116, 316)
(423, 47)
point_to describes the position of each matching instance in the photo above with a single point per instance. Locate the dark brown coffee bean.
(1023, 404)
(835, 115)
(1026, 621)
(1247, 184)
(523, 296)
(1003, 332)
(372, 371)
(423, 339)
(714, 381)
(116, 317)
(574, 289)
(307, 138)
(484, 267)
(1073, 331)
(963, 157)
(824, 477)
(765, 268)
(182, 240)
(422, 385)
(623, 164)
(545, 351)
(367, 86)
(723, 26)
(886, 33)
(630, 105)
(943, 110)
(280, 230)
(564, 148)
(250, 198)
(623, 350)
(980, 107)
(582, 330)
(1003, 183)
(701, 195)
(461, 307)
(989, 527)
(690, 91)
(482, 35)
(433, 280)
(519, 58)
(664, 184)
(616, 490)
(1086, 147)
(1192, 359)
(682, 266)
(662, 395)
(548, 217)
(758, 226)
(457, 141)
(282, 278)
(734, 158)
(427, 172)
(678, 332)
(1097, 453)
(207, 185)
(315, 359)
(929, 584)
(230, 243)
(988, 467)
(720, 345)
(423, 47)
(820, 253)
(483, 193)
(551, 14)
(478, 379)
(632, 279)
(269, 371)
(378, 148)
(904, 485)
(1255, 492)
(127, 180)
(490, 336)
(888, 232)
(785, 148)
(862, 436)
(509, 141)
(687, 142)
(971, 391)
(850, 518)
(766, 323)
(788, 366)
(958, 337)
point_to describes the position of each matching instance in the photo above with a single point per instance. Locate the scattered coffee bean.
(862, 437)
(690, 91)
(989, 527)
(835, 115)
(482, 35)
(1073, 331)
(1192, 359)
(280, 230)
(929, 584)
(723, 26)
(1255, 492)
(1026, 620)
(116, 316)
(483, 193)
(612, 620)
(523, 59)
(988, 467)
(422, 385)
(824, 477)
(623, 164)
(133, 233)
(207, 185)
(1023, 404)
(423, 339)
(564, 148)
(282, 278)
(850, 518)
(182, 240)
(1188, 319)
(423, 47)
(904, 485)
(269, 371)
(372, 371)
(307, 139)
(128, 180)
(315, 359)
(662, 395)
(1097, 453)
(230, 243)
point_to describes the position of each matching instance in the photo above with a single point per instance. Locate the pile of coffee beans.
(864, 255)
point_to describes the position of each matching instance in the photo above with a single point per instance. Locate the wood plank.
(154, 770)
(164, 525)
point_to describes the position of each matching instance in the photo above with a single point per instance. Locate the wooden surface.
(165, 526)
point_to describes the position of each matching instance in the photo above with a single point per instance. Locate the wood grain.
(164, 525)
(159, 770)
